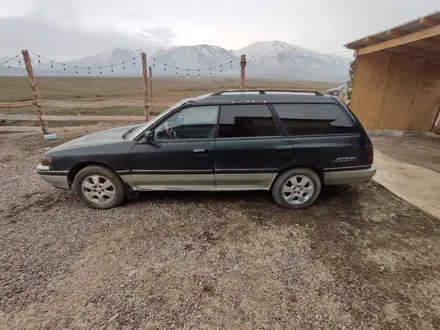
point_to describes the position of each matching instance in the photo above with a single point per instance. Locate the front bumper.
(349, 176)
(58, 179)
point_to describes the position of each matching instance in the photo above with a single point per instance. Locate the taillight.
(370, 153)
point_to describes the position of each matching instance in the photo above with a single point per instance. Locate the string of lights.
(11, 59)
(166, 66)
(171, 67)
(77, 67)
(125, 63)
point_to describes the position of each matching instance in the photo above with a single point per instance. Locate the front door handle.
(200, 152)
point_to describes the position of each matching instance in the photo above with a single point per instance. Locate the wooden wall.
(395, 92)
(370, 82)
(427, 102)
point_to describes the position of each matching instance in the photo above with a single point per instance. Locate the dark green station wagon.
(287, 142)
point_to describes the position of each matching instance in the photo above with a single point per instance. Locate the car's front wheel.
(99, 187)
(296, 188)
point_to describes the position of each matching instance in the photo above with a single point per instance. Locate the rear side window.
(246, 121)
(302, 119)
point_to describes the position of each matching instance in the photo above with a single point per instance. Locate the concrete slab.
(410, 168)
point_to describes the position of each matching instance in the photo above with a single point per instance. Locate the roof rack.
(263, 91)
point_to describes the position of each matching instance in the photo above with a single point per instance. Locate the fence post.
(151, 83)
(145, 80)
(243, 71)
(34, 86)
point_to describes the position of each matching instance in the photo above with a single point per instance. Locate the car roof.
(261, 96)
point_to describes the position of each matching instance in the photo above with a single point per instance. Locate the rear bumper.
(349, 176)
(58, 179)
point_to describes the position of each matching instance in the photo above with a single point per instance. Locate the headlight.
(46, 160)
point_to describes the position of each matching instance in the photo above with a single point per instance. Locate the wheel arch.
(317, 170)
(79, 166)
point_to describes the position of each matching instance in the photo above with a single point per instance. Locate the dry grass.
(114, 96)
(116, 111)
(166, 90)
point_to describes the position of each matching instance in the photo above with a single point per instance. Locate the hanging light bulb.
(51, 64)
(100, 70)
(64, 67)
(88, 70)
(8, 65)
(39, 60)
(221, 68)
(231, 65)
(123, 66)
(176, 70)
(154, 62)
(199, 74)
(134, 62)
(210, 74)
(111, 67)
(76, 69)
(19, 62)
(187, 73)
(164, 67)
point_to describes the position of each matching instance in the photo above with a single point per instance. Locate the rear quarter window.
(307, 119)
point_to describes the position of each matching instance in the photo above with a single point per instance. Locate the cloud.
(75, 28)
(66, 42)
(133, 14)
(161, 34)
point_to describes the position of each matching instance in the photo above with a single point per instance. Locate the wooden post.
(145, 79)
(151, 83)
(243, 71)
(34, 86)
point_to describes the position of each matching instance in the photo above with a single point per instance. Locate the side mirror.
(149, 136)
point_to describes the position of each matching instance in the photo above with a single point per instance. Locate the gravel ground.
(359, 259)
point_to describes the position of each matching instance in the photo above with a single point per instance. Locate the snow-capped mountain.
(195, 57)
(265, 59)
(284, 60)
(107, 58)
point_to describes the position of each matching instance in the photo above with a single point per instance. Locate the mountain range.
(265, 59)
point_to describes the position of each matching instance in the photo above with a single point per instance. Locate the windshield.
(139, 129)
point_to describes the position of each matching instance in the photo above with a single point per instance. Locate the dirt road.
(359, 259)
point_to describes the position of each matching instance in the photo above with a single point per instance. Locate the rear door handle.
(200, 152)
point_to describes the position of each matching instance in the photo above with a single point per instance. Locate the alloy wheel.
(98, 189)
(298, 189)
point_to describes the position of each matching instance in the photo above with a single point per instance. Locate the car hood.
(104, 137)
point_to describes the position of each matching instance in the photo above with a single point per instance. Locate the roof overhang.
(418, 39)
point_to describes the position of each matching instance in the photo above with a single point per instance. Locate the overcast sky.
(66, 29)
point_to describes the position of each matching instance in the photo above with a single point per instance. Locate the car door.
(179, 157)
(249, 150)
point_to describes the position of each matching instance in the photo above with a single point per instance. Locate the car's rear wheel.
(296, 188)
(99, 187)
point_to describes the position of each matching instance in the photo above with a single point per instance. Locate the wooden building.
(396, 82)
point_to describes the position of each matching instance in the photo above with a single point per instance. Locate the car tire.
(99, 187)
(290, 185)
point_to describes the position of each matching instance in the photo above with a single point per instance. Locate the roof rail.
(263, 91)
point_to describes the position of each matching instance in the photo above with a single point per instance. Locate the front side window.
(246, 121)
(303, 119)
(189, 123)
